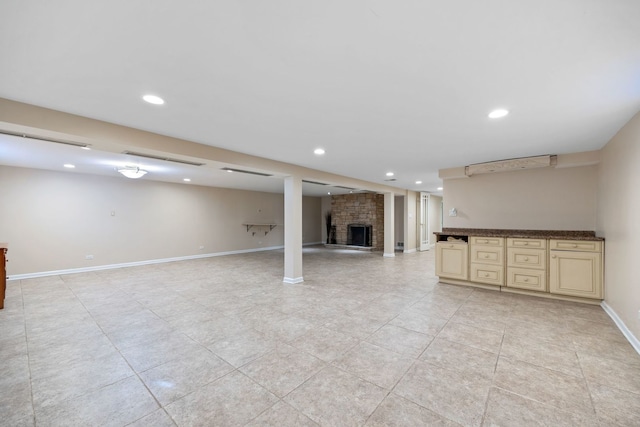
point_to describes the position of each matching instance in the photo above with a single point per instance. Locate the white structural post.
(292, 230)
(389, 225)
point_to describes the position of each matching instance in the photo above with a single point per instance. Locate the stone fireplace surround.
(361, 209)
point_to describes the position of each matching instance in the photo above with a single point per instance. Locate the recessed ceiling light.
(418, 182)
(153, 99)
(69, 166)
(389, 173)
(86, 148)
(439, 188)
(328, 192)
(496, 114)
(187, 179)
(229, 170)
(318, 151)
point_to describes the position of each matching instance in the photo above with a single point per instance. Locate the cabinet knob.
(526, 243)
(450, 246)
(553, 256)
(486, 274)
(526, 258)
(575, 245)
(526, 279)
(486, 255)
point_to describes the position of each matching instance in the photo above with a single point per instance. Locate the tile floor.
(365, 340)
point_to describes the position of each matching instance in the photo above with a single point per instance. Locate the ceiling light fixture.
(318, 151)
(439, 188)
(418, 182)
(153, 99)
(496, 114)
(187, 179)
(69, 166)
(389, 173)
(133, 172)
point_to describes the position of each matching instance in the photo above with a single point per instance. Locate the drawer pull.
(526, 243)
(450, 246)
(575, 245)
(486, 255)
(554, 256)
(526, 258)
(526, 279)
(486, 274)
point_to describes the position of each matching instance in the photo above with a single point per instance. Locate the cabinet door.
(576, 273)
(452, 260)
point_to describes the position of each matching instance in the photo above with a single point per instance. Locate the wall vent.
(345, 188)
(509, 165)
(166, 159)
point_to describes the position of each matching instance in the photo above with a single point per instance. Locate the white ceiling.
(402, 86)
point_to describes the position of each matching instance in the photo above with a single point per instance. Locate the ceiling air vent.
(512, 165)
(314, 182)
(41, 138)
(166, 159)
(346, 188)
(244, 171)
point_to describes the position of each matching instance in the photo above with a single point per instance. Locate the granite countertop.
(532, 234)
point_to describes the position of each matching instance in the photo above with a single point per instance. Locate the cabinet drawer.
(576, 245)
(527, 258)
(487, 254)
(483, 273)
(488, 241)
(527, 243)
(523, 278)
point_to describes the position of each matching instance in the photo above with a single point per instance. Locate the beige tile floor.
(365, 340)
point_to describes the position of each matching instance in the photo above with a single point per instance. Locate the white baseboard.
(391, 255)
(410, 251)
(635, 343)
(292, 280)
(136, 263)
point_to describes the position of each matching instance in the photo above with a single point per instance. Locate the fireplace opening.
(359, 235)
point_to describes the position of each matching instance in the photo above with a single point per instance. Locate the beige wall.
(552, 199)
(411, 213)
(619, 223)
(52, 220)
(435, 217)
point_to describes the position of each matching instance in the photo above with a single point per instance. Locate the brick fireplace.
(363, 209)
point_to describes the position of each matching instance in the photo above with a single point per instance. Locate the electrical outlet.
(88, 257)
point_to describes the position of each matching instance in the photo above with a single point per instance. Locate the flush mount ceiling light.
(133, 172)
(153, 99)
(439, 188)
(69, 166)
(318, 151)
(496, 114)
(187, 179)
(418, 182)
(389, 173)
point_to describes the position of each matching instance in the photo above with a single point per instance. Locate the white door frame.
(425, 229)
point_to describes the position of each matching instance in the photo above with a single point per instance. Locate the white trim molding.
(410, 251)
(136, 263)
(391, 255)
(292, 280)
(635, 343)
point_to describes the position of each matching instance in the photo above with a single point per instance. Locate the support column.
(389, 225)
(292, 230)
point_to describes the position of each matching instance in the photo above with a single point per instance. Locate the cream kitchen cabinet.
(575, 268)
(487, 260)
(527, 264)
(452, 260)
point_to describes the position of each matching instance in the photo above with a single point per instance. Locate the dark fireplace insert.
(359, 235)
